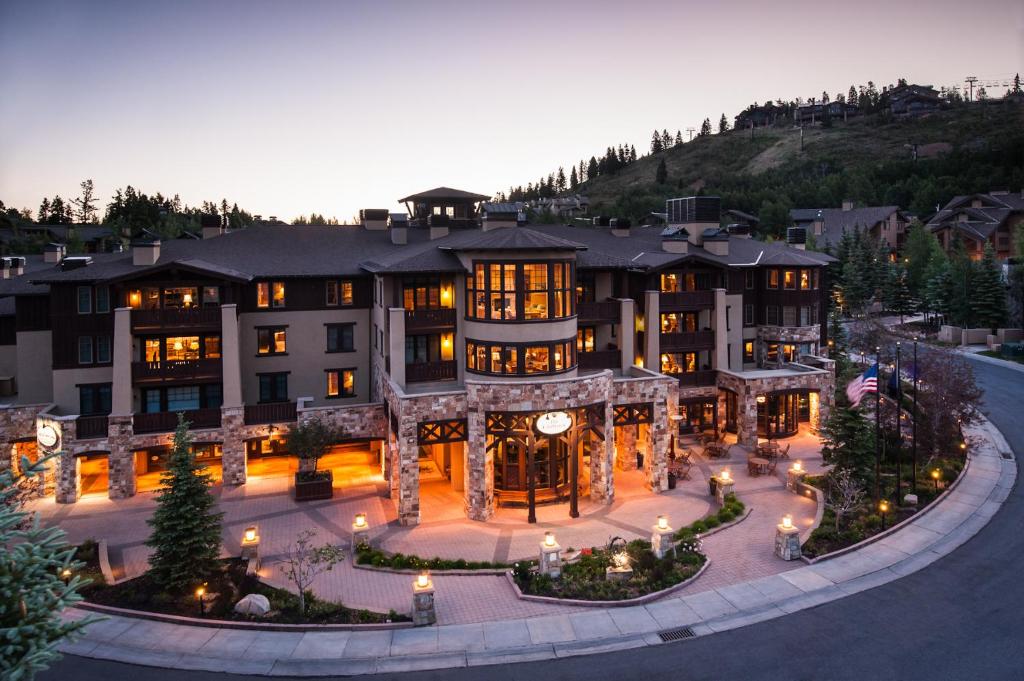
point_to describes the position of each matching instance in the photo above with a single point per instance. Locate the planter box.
(314, 490)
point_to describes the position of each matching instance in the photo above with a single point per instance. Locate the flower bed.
(223, 591)
(731, 511)
(368, 556)
(585, 578)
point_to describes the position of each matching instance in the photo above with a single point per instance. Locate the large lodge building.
(506, 355)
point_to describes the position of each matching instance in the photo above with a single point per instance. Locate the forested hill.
(967, 149)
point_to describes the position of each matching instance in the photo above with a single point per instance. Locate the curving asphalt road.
(959, 618)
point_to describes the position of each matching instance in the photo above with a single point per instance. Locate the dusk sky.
(299, 107)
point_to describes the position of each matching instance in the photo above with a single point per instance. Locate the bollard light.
(797, 467)
(65, 574)
(250, 535)
(200, 592)
(787, 521)
(936, 474)
(724, 475)
(662, 522)
(360, 520)
(423, 580)
(549, 539)
(883, 506)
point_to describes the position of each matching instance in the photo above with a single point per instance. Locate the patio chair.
(752, 468)
(681, 468)
(771, 465)
(785, 452)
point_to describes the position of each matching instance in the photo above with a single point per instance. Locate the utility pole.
(971, 80)
(690, 132)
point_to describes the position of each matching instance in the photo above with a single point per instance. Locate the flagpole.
(878, 423)
(899, 424)
(914, 450)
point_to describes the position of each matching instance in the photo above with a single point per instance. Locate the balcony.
(600, 359)
(90, 427)
(427, 320)
(445, 370)
(178, 370)
(696, 379)
(191, 318)
(271, 412)
(686, 300)
(606, 311)
(687, 340)
(167, 421)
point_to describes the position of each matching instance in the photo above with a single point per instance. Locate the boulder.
(253, 604)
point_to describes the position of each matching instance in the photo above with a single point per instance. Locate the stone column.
(602, 455)
(627, 333)
(69, 478)
(652, 330)
(122, 459)
(233, 462)
(656, 462)
(395, 343)
(721, 358)
(787, 542)
(479, 492)
(121, 381)
(408, 474)
(746, 417)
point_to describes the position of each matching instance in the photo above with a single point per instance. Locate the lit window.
(773, 278)
(748, 351)
(152, 349)
(278, 287)
(789, 279)
(805, 280)
(211, 349)
(346, 293)
(341, 383)
(182, 348)
(669, 283)
(271, 341)
(585, 339)
(263, 294)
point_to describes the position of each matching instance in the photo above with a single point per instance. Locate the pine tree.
(573, 180)
(186, 537)
(666, 139)
(989, 293)
(705, 127)
(723, 124)
(661, 175)
(592, 169)
(848, 439)
(632, 153)
(851, 96)
(582, 174)
(44, 211)
(939, 289)
(679, 138)
(560, 180)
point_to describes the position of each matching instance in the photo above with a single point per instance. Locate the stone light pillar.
(794, 478)
(550, 562)
(661, 538)
(723, 488)
(787, 542)
(424, 612)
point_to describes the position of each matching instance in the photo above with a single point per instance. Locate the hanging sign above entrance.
(553, 423)
(47, 437)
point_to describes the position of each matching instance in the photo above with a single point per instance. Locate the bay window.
(517, 359)
(512, 291)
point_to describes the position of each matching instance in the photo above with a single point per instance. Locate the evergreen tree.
(666, 139)
(32, 594)
(661, 175)
(560, 180)
(44, 211)
(573, 180)
(582, 174)
(705, 127)
(961, 274)
(632, 153)
(848, 439)
(898, 298)
(592, 169)
(851, 96)
(679, 138)
(186, 537)
(656, 146)
(939, 289)
(989, 293)
(920, 248)
(86, 203)
(723, 124)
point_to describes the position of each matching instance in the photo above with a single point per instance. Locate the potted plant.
(310, 440)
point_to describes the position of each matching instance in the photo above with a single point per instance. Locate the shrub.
(699, 526)
(726, 515)
(712, 521)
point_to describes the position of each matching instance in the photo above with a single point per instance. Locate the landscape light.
(787, 521)
(662, 522)
(797, 467)
(549, 539)
(360, 520)
(250, 534)
(724, 475)
(423, 580)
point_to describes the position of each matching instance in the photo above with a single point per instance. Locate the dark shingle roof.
(445, 193)
(836, 220)
(982, 221)
(510, 238)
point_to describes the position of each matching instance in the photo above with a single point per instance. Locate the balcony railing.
(446, 370)
(271, 412)
(177, 370)
(696, 378)
(686, 300)
(421, 320)
(176, 317)
(90, 427)
(687, 340)
(600, 359)
(166, 421)
(604, 311)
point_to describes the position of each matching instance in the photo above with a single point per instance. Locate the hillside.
(960, 150)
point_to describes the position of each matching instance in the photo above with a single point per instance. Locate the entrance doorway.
(94, 471)
(698, 415)
(782, 412)
(152, 463)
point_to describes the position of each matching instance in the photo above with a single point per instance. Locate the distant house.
(815, 113)
(977, 219)
(758, 116)
(654, 219)
(912, 100)
(882, 223)
(94, 238)
(564, 206)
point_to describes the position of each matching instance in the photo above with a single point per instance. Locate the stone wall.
(821, 381)
(663, 392)
(16, 423)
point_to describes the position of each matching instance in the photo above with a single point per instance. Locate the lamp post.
(936, 474)
(913, 434)
(878, 423)
(883, 507)
(360, 530)
(661, 537)
(899, 422)
(200, 592)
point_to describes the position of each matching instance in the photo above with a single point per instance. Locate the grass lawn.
(993, 353)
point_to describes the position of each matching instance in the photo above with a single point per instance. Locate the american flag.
(862, 385)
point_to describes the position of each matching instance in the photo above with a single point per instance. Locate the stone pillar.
(652, 330)
(424, 612)
(408, 474)
(625, 446)
(233, 461)
(627, 333)
(121, 469)
(723, 488)
(721, 357)
(661, 539)
(550, 560)
(656, 461)
(121, 380)
(602, 456)
(69, 478)
(395, 343)
(746, 417)
(794, 478)
(479, 476)
(787, 542)
(230, 361)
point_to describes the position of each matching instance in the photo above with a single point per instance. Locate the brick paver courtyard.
(738, 553)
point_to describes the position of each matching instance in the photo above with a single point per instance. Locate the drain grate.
(676, 634)
(1007, 456)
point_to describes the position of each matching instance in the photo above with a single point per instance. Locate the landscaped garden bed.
(367, 556)
(221, 592)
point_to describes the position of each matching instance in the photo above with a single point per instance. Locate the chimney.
(211, 225)
(145, 252)
(716, 243)
(797, 237)
(53, 253)
(675, 242)
(5, 268)
(847, 204)
(375, 219)
(739, 231)
(399, 229)
(438, 225)
(620, 226)
(17, 266)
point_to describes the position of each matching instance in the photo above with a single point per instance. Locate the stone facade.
(16, 424)
(784, 334)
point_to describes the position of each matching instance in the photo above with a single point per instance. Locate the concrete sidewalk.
(948, 524)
